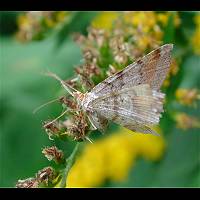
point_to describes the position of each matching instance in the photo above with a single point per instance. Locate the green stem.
(69, 162)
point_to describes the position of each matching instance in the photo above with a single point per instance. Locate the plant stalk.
(69, 162)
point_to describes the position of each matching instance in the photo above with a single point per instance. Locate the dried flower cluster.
(184, 121)
(35, 24)
(43, 178)
(53, 153)
(187, 97)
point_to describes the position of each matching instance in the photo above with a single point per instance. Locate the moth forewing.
(150, 69)
(131, 97)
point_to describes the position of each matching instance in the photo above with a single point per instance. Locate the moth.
(131, 97)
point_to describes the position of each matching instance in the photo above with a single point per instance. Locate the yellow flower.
(61, 15)
(184, 121)
(143, 42)
(121, 160)
(174, 68)
(164, 17)
(23, 21)
(49, 22)
(144, 19)
(158, 32)
(187, 96)
(148, 146)
(196, 41)
(177, 20)
(88, 170)
(197, 20)
(112, 157)
(104, 20)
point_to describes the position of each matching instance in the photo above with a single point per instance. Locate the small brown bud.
(90, 54)
(27, 183)
(78, 38)
(111, 70)
(51, 129)
(72, 82)
(53, 153)
(184, 121)
(45, 175)
(68, 102)
(97, 35)
(78, 129)
(121, 58)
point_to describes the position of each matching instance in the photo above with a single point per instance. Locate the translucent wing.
(134, 108)
(151, 69)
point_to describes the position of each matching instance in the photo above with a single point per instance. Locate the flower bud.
(27, 183)
(45, 175)
(53, 153)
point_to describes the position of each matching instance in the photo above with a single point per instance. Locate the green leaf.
(169, 30)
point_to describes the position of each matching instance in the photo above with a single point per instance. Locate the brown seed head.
(53, 153)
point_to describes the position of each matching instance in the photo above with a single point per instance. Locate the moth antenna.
(87, 138)
(45, 104)
(57, 118)
(63, 83)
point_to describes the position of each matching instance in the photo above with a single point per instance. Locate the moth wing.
(134, 108)
(141, 128)
(98, 122)
(150, 69)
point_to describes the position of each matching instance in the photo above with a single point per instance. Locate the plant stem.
(69, 162)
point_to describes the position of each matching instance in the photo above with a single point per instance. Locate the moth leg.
(91, 122)
(98, 121)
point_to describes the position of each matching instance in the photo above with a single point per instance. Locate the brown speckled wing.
(151, 69)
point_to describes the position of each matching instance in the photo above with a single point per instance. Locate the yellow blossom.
(158, 32)
(143, 42)
(197, 20)
(31, 23)
(105, 20)
(185, 121)
(120, 161)
(187, 96)
(174, 68)
(196, 41)
(145, 20)
(164, 17)
(148, 146)
(50, 22)
(112, 157)
(23, 21)
(88, 170)
(61, 15)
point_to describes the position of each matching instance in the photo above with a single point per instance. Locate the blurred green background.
(23, 88)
